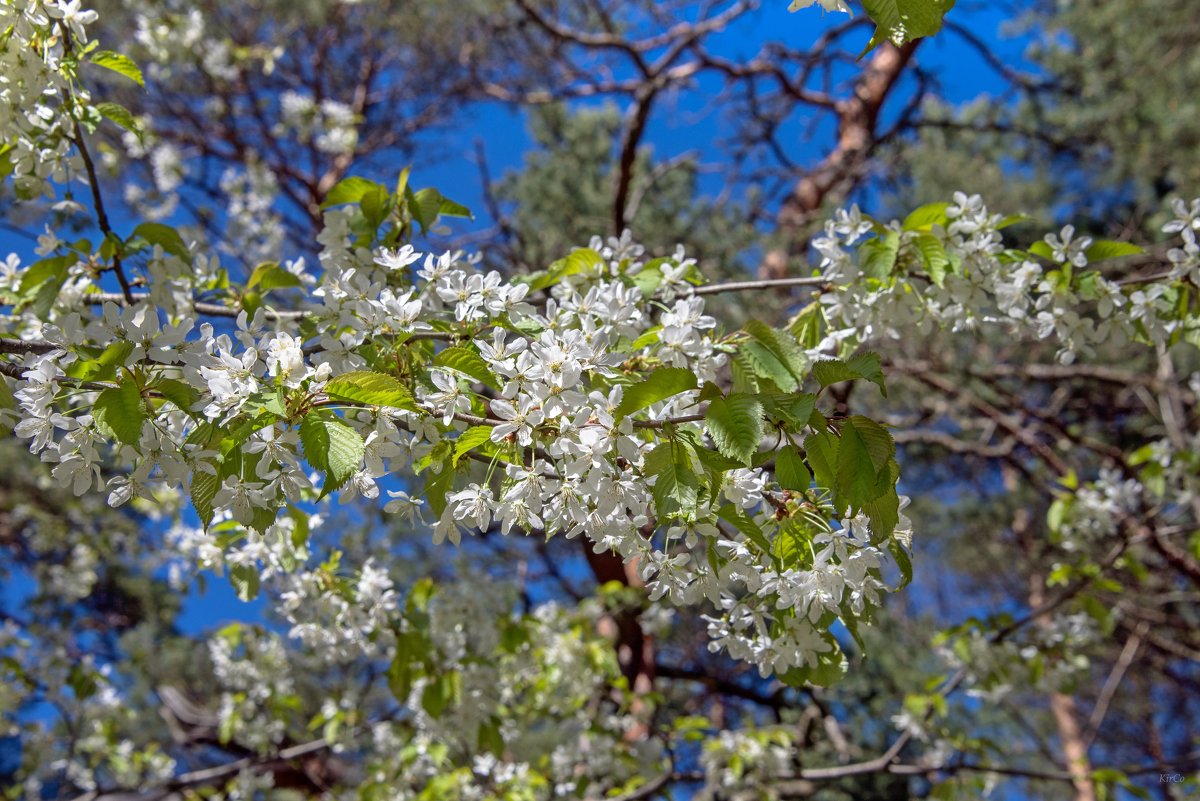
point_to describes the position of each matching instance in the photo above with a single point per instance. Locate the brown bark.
(857, 136)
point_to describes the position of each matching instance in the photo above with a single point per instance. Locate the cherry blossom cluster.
(952, 269)
(38, 112)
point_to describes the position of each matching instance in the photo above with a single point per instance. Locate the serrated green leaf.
(793, 409)
(104, 366)
(471, 439)
(926, 217)
(783, 346)
(269, 275)
(745, 524)
(790, 470)
(1042, 249)
(808, 327)
(469, 363)
(121, 411)
(866, 366)
(165, 237)
(7, 401)
(676, 488)
(1103, 249)
(442, 692)
(902, 21)
(742, 370)
(884, 511)
(878, 256)
(204, 489)
(400, 671)
(428, 204)
(52, 270)
(903, 561)
(764, 365)
(121, 116)
(371, 388)
(877, 439)
(657, 386)
(1012, 219)
(830, 668)
(437, 484)
(648, 338)
(933, 254)
(120, 64)
(822, 447)
(351, 189)
(735, 426)
(332, 447)
(245, 581)
(376, 205)
(856, 476)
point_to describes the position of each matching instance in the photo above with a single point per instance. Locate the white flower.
(520, 419)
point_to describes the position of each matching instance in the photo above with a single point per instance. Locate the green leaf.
(376, 204)
(830, 668)
(926, 217)
(657, 386)
(878, 256)
(790, 470)
(783, 347)
(1012, 219)
(902, 21)
(120, 64)
(1041, 248)
(350, 190)
(437, 484)
(876, 438)
(204, 489)
(822, 450)
(121, 411)
(440, 693)
(808, 326)
(764, 365)
(735, 425)
(490, 738)
(884, 511)
(581, 260)
(428, 204)
(903, 561)
(50, 272)
(793, 409)
(676, 486)
(332, 447)
(244, 579)
(103, 367)
(745, 524)
(864, 365)
(471, 439)
(648, 279)
(121, 116)
(165, 237)
(410, 647)
(7, 401)
(1103, 249)
(933, 254)
(469, 363)
(869, 366)
(856, 476)
(269, 275)
(373, 389)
